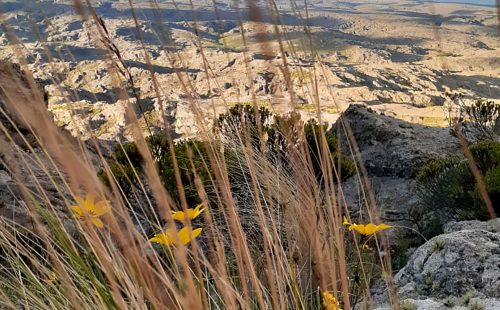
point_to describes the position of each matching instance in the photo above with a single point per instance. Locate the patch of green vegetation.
(191, 155)
(313, 107)
(437, 246)
(323, 42)
(302, 76)
(447, 189)
(234, 41)
(434, 121)
(450, 302)
(407, 305)
(127, 162)
(93, 111)
(483, 115)
(400, 256)
(476, 306)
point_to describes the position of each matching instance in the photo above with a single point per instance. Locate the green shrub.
(476, 306)
(282, 136)
(279, 138)
(199, 158)
(124, 175)
(486, 154)
(127, 153)
(400, 255)
(447, 189)
(123, 168)
(483, 115)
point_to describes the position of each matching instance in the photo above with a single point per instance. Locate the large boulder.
(393, 147)
(452, 269)
(392, 152)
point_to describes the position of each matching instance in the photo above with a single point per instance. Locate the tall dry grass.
(295, 249)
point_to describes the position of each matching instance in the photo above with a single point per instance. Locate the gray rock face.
(453, 304)
(392, 147)
(392, 151)
(452, 265)
(393, 208)
(491, 226)
(454, 269)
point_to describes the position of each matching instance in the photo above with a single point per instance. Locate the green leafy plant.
(484, 116)
(447, 189)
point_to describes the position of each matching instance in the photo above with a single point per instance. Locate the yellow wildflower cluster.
(88, 210)
(173, 237)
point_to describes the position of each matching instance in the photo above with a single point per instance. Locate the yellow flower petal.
(382, 227)
(330, 302)
(78, 211)
(188, 214)
(162, 239)
(100, 208)
(360, 228)
(171, 235)
(88, 209)
(52, 278)
(155, 239)
(178, 215)
(185, 236)
(370, 229)
(89, 202)
(97, 222)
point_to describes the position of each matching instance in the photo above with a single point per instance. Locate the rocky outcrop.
(392, 147)
(453, 269)
(15, 138)
(392, 151)
(491, 226)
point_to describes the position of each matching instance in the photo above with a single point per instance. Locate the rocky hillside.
(398, 60)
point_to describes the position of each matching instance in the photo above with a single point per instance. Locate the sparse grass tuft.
(476, 306)
(407, 305)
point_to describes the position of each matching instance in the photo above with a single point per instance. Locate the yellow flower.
(190, 213)
(89, 210)
(168, 237)
(368, 229)
(330, 302)
(52, 278)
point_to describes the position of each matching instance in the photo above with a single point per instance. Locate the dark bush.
(484, 116)
(127, 153)
(124, 175)
(486, 154)
(279, 138)
(492, 180)
(282, 136)
(186, 163)
(448, 191)
(126, 158)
